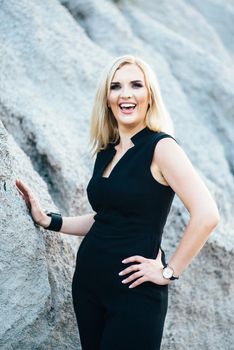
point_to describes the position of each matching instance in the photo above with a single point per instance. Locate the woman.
(120, 284)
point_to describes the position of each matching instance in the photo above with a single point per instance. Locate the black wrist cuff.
(56, 221)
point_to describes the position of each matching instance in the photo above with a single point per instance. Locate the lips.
(127, 107)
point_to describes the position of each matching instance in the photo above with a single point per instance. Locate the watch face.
(167, 272)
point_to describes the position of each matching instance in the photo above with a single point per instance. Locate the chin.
(128, 121)
(123, 118)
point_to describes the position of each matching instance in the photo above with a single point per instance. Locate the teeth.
(127, 105)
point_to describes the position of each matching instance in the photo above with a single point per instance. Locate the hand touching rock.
(38, 214)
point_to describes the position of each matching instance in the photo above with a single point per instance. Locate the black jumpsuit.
(132, 208)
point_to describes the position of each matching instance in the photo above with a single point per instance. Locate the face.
(128, 98)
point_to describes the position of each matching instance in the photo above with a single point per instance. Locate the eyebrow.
(133, 81)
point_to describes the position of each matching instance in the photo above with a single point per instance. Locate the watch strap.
(174, 278)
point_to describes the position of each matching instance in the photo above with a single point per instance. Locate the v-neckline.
(112, 156)
(134, 138)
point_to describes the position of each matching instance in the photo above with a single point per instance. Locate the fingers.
(19, 192)
(137, 282)
(31, 200)
(26, 193)
(129, 269)
(137, 258)
(133, 276)
(24, 197)
(147, 270)
(22, 187)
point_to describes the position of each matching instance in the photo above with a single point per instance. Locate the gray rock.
(50, 113)
(35, 266)
(220, 16)
(52, 54)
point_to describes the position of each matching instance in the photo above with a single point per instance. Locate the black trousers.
(118, 319)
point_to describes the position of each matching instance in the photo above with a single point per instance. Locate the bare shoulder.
(171, 160)
(181, 175)
(167, 146)
(164, 148)
(168, 152)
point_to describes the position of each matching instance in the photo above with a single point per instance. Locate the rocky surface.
(35, 266)
(52, 54)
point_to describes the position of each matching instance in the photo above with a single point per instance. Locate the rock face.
(35, 266)
(51, 55)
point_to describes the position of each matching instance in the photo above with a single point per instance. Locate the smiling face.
(128, 98)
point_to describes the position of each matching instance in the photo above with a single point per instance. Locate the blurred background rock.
(52, 54)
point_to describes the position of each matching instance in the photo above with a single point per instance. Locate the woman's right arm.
(74, 225)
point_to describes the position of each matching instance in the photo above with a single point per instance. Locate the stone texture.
(35, 266)
(52, 54)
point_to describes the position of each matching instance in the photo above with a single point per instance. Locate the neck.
(125, 135)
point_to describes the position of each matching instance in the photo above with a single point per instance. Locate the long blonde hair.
(103, 126)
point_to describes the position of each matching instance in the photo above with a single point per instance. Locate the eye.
(137, 85)
(114, 87)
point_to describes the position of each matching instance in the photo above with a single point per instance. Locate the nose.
(126, 93)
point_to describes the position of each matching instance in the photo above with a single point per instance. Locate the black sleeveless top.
(130, 201)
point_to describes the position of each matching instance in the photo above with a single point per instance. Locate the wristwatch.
(168, 273)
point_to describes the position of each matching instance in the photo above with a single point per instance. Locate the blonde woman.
(120, 284)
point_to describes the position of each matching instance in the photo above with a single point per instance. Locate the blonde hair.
(103, 127)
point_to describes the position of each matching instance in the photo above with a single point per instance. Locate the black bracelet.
(56, 221)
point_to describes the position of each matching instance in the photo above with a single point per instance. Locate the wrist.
(56, 221)
(45, 222)
(177, 267)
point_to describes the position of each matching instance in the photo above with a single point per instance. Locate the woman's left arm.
(182, 177)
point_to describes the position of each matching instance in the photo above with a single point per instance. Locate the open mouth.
(127, 107)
